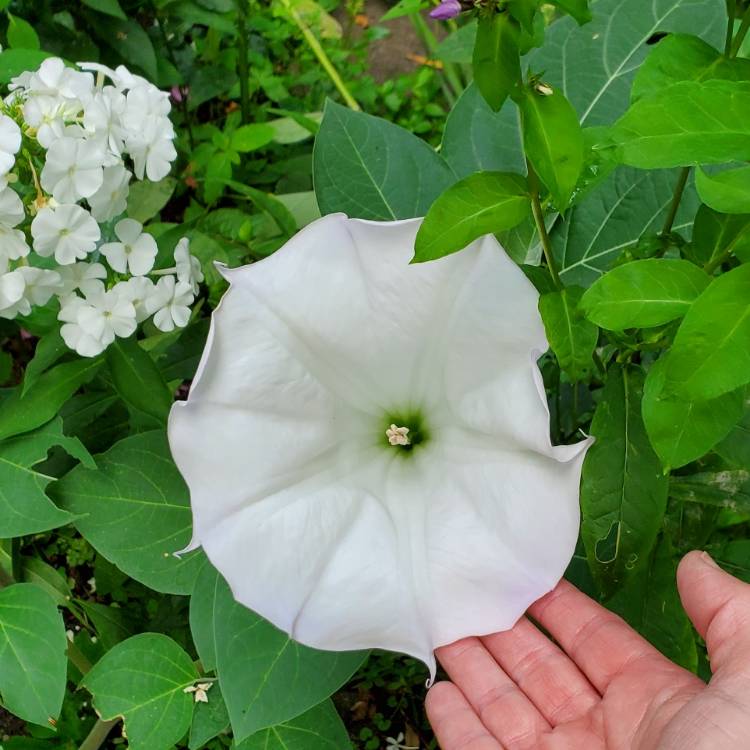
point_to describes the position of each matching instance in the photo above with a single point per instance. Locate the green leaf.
(683, 57)
(24, 506)
(735, 447)
(251, 137)
(268, 204)
(651, 604)
(147, 198)
(265, 677)
(49, 349)
(21, 34)
(553, 142)
(644, 293)
(33, 664)
(734, 556)
(721, 489)
(143, 680)
(109, 622)
(108, 7)
(369, 168)
(524, 11)
(571, 337)
(688, 123)
(320, 728)
(681, 431)
(139, 382)
(629, 204)
(458, 46)
(209, 719)
(484, 203)
(13, 62)
(43, 400)
(128, 39)
(577, 9)
(134, 510)
(715, 234)
(496, 61)
(711, 351)
(404, 8)
(623, 491)
(727, 192)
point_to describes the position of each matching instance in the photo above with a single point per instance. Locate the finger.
(599, 642)
(501, 706)
(719, 606)
(456, 725)
(545, 674)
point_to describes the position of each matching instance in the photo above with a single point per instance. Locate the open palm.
(606, 687)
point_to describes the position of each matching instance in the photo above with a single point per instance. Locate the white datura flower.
(323, 514)
(135, 252)
(67, 231)
(10, 142)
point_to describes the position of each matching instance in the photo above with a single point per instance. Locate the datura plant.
(430, 389)
(389, 423)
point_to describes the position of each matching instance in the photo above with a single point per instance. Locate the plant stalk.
(78, 659)
(741, 34)
(242, 67)
(98, 734)
(430, 44)
(323, 58)
(731, 8)
(16, 564)
(541, 227)
(677, 197)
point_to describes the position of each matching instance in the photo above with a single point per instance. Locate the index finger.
(598, 641)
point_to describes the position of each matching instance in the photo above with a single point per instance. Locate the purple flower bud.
(447, 9)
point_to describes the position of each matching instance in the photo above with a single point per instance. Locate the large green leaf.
(715, 234)
(733, 556)
(571, 337)
(728, 192)
(49, 348)
(553, 142)
(320, 728)
(681, 431)
(109, 7)
(496, 61)
(628, 204)
(265, 677)
(43, 400)
(623, 491)
(143, 679)
(683, 57)
(483, 203)
(135, 511)
(711, 351)
(372, 169)
(33, 664)
(729, 489)
(688, 123)
(24, 506)
(146, 198)
(209, 719)
(651, 604)
(735, 447)
(644, 293)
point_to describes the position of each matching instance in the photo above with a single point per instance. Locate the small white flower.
(12, 301)
(111, 199)
(13, 243)
(84, 276)
(103, 117)
(106, 315)
(73, 169)
(10, 142)
(47, 115)
(11, 207)
(73, 335)
(188, 266)
(199, 691)
(138, 290)
(135, 252)
(151, 148)
(68, 231)
(41, 284)
(170, 304)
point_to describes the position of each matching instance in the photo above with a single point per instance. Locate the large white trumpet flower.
(366, 442)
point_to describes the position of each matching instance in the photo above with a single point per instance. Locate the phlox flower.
(41, 284)
(73, 169)
(170, 304)
(13, 243)
(67, 231)
(10, 142)
(106, 315)
(86, 277)
(72, 334)
(12, 286)
(135, 252)
(103, 117)
(138, 290)
(188, 267)
(151, 148)
(324, 516)
(111, 199)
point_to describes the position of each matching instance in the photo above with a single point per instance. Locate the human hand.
(607, 687)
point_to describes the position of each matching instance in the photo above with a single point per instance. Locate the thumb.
(718, 604)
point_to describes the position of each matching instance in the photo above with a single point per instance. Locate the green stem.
(677, 197)
(242, 68)
(541, 227)
(323, 58)
(78, 659)
(741, 33)
(98, 734)
(714, 263)
(731, 8)
(6, 579)
(430, 44)
(16, 564)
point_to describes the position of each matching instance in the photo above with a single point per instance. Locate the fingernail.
(709, 560)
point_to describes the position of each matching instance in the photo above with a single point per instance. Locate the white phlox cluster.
(71, 141)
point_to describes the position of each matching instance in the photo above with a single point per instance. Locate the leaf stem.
(741, 34)
(541, 227)
(714, 263)
(16, 564)
(242, 67)
(430, 44)
(323, 58)
(676, 198)
(98, 734)
(78, 659)
(731, 7)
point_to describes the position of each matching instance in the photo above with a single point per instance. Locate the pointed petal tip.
(194, 545)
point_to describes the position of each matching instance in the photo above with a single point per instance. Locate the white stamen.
(397, 435)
